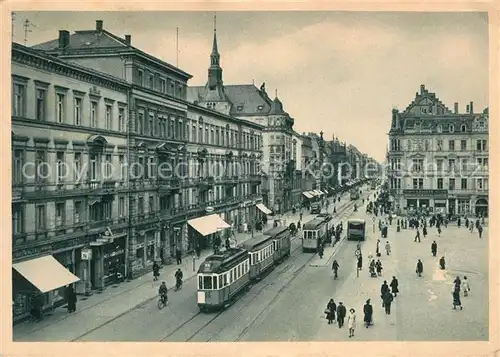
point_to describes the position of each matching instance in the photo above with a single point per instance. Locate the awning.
(318, 192)
(208, 224)
(45, 273)
(307, 194)
(263, 208)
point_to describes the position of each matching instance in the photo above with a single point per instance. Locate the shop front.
(440, 206)
(41, 277)
(463, 205)
(202, 230)
(114, 261)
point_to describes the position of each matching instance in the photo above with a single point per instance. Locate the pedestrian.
(388, 248)
(457, 283)
(394, 286)
(378, 248)
(424, 231)
(384, 288)
(465, 286)
(442, 263)
(420, 268)
(178, 256)
(330, 311)
(480, 230)
(434, 248)
(459, 222)
(387, 298)
(320, 250)
(156, 271)
(417, 236)
(360, 262)
(341, 312)
(368, 313)
(471, 227)
(335, 268)
(351, 322)
(378, 267)
(439, 231)
(456, 299)
(466, 222)
(70, 298)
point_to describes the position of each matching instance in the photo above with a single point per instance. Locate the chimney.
(128, 39)
(422, 89)
(471, 107)
(467, 108)
(456, 108)
(63, 39)
(98, 25)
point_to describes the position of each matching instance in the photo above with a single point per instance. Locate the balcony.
(169, 185)
(17, 193)
(205, 183)
(107, 187)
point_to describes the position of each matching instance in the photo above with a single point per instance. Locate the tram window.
(232, 275)
(252, 257)
(207, 283)
(214, 279)
(239, 271)
(274, 244)
(200, 283)
(225, 279)
(220, 282)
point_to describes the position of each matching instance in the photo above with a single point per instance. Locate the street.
(289, 303)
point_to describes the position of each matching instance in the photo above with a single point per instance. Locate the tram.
(354, 194)
(261, 255)
(356, 229)
(222, 277)
(281, 242)
(314, 232)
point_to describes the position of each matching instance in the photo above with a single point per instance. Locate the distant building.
(438, 158)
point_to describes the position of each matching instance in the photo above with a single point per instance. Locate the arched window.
(463, 128)
(439, 128)
(451, 128)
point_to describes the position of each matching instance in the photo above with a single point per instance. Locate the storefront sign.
(86, 254)
(114, 253)
(426, 192)
(38, 250)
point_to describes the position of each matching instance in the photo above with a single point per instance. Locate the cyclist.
(178, 278)
(163, 293)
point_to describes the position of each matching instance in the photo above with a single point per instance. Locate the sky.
(336, 72)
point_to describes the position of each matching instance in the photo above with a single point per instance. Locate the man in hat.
(341, 312)
(368, 312)
(434, 248)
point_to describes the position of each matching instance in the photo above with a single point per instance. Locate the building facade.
(165, 155)
(438, 159)
(68, 200)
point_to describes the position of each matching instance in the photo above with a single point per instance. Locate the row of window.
(417, 165)
(262, 254)
(216, 282)
(308, 234)
(426, 145)
(99, 166)
(418, 183)
(451, 127)
(86, 110)
(160, 84)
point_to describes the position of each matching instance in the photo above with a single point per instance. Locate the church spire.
(214, 56)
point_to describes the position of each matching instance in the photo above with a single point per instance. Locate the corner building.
(438, 159)
(164, 154)
(69, 205)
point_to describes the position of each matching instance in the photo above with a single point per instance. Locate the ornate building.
(69, 197)
(166, 155)
(438, 159)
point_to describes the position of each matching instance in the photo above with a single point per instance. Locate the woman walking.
(351, 322)
(331, 307)
(456, 299)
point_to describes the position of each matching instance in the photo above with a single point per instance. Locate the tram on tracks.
(281, 242)
(315, 231)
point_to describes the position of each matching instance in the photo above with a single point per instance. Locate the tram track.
(203, 324)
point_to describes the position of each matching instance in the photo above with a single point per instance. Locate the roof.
(246, 99)
(251, 243)
(276, 230)
(81, 42)
(218, 263)
(276, 107)
(313, 224)
(356, 220)
(54, 60)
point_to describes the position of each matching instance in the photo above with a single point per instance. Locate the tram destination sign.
(426, 192)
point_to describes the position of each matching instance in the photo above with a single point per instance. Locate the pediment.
(416, 156)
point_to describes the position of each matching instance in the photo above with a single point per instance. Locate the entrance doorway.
(482, 207)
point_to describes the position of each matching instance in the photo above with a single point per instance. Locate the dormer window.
(481, 125)
(239, 108)
(451, 128)
(423, 110)
(260, 107)
(463, 128)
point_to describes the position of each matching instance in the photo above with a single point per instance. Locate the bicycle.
(162, 302)
(178, 285)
